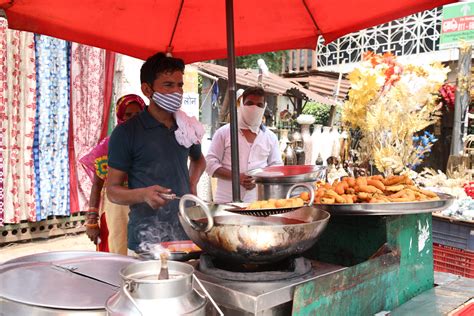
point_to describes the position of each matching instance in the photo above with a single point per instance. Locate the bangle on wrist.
(94, 215)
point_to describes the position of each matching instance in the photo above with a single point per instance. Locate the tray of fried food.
(378, 194)
(271, 206)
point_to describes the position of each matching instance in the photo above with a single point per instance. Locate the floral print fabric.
(87, 98)
(51, 148)
(17, 121)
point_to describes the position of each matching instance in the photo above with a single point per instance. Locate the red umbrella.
(197, 30)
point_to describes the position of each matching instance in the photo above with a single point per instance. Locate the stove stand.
(287, 269)
(261, 298)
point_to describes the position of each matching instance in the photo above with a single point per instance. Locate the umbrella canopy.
(195, 30)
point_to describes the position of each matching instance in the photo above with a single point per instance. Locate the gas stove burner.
(282, 270)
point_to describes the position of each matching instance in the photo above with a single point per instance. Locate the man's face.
(169, 82)
(255, 100)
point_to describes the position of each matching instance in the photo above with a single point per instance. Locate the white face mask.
(251, 117)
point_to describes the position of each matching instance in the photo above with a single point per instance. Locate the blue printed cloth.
(50, 149)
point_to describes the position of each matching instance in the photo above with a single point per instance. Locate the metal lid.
(287, 174)
(76, 283)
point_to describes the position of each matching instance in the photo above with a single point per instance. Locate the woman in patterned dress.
(106, 224)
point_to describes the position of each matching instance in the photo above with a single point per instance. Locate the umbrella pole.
(234, 140)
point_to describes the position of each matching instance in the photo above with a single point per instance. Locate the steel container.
(275, 181)
(142, 293)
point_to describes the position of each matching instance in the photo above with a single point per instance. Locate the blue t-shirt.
(148, 152)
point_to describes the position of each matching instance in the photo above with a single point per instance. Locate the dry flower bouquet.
(389, 103)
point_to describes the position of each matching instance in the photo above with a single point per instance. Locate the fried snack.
(373, 189)
(368, 189)
(341, 187)
(280, 203)
(393, 180)
(305, 196)
(425, 192)
(364, 196)
(361, 181)
(376, 183)
(273, 204)
(376, 177)
(254, 205)
(320, 192)
(298, 202)
(349, 199)
(327, 200)
(350, 181)
(351, 191)
(395, 188)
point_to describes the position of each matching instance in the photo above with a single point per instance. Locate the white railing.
(412, 35)
(415, 34)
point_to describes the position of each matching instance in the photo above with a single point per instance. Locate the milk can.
(143, 293)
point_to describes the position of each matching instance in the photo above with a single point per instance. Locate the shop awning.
(271, 83)
(323, 83)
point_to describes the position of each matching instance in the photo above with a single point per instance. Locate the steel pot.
(275, 181)
(143, 294)
(250, 239)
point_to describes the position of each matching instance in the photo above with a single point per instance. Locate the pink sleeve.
(89, 161)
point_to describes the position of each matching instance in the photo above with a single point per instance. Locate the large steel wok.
(242, 238)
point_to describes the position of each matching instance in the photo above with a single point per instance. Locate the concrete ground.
(62, 243)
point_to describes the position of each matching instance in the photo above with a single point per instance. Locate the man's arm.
(119, 194)
(215, 155)
(196, 169)
(274, 159)
(214, 159)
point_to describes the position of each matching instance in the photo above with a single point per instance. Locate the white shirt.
(263, 152)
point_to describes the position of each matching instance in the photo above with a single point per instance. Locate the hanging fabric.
(87, 100)
(73, 184)
(108, 90)
(17, 120)
(3, 67)
(52, 179)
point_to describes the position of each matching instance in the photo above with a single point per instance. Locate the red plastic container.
(453, 260)
(469, 188)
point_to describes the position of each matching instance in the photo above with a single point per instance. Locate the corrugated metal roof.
(323, 83)
(271, 83)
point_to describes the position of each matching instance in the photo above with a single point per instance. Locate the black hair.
(158, 64)
(258, 91)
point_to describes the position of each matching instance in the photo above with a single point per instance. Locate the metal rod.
(332, 112)
(234, 135)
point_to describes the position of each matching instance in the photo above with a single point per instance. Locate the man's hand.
(247, 182)
(151, 195)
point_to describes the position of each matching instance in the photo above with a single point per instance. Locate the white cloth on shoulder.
(190, 131)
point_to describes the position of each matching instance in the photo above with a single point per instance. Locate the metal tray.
(263, 212)
(77, 281)
(396, 208)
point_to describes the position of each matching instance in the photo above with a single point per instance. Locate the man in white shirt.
(258, 148)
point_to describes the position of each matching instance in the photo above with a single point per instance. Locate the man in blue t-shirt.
(145, 152)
